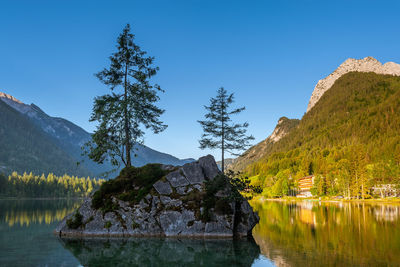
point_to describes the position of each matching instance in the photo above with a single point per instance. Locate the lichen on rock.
(193, 200)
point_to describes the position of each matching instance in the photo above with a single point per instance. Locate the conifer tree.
(219, 130)
(130, 107)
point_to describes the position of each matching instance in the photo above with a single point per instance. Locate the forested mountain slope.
(64, 137)
(350, 140)
(25, 147)
(256, 152)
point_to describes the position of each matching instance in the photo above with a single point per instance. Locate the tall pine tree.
(219, 130)
(123, 114)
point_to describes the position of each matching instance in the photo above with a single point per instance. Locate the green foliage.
(108, 225)
(124, 113)
(222, 206)
(131, 185)
(76, 221)
(283, 185)
(212, 187)
(135, 225)
(219, 131)
(29, 185)
(349, 140)
(230, 185)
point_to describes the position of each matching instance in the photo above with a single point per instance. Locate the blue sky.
(269, 53)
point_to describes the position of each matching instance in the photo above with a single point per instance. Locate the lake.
(307, 233)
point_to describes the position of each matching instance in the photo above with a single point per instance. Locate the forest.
(50, 186)
(349, 141)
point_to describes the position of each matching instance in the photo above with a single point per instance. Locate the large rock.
(174, 207)
(209, 166)
(163, 188)
(177, 179)
(193, 172)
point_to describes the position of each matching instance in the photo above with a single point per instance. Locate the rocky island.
(194, 200)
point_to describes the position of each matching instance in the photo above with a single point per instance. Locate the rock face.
(256, 152)
(174, 207)
(368, 64)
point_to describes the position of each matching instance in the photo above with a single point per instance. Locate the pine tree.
(123, 114)
(219, 131)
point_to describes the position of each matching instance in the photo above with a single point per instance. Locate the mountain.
(256, 152)
(349, 138)
(69, 138)
(368, 64)
(228, 163)
(25, 147)
(284, 126)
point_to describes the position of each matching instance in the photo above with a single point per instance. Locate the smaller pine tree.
(219, 130)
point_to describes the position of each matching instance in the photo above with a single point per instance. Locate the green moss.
(174, 195)
(76, 221)
(108, 225)
(135, 225)
(175, 208)
(132, 185)
(220, 182)
(119, 218)
(91, 218)
(193, 201)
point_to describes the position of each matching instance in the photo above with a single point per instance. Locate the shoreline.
(294, 199)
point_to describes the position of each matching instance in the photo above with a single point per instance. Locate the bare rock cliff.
(368, 64)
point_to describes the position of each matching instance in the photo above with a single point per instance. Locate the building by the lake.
(305, 184)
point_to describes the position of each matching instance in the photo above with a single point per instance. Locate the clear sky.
(269, 53)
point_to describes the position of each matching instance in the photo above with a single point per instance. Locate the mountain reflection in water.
(162, 252)
(311, 233)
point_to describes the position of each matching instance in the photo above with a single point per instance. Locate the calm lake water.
(289, 234)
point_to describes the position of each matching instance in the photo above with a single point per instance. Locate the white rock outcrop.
(368, 64)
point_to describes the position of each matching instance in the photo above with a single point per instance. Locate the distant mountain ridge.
(70, 138)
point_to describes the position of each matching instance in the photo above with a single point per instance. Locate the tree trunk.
(222, 139)
(222, 162)
(127, 139)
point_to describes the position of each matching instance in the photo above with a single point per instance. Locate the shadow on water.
(162, 252)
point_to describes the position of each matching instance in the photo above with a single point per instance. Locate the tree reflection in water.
(31, 211)
(328, 233)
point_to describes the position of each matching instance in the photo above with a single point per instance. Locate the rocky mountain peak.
(284, 126)
(10, 97)
(368, 64)
(279, 131)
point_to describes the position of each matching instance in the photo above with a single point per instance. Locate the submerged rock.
(193, 200)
